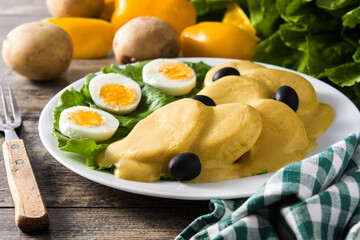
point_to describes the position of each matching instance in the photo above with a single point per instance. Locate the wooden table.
(78, 208)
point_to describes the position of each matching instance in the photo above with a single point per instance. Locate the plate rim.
(133, 187)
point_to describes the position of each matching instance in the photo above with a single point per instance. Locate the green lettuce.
(356, 55)
(336, 5)
(272, 50)
(264, 17)
(208, 7)
(351, 18)
(345, 75)
(317, 37)
(151, 99)
(307, 15)
(326, 50)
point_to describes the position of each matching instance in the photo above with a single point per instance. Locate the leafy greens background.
(320, 38)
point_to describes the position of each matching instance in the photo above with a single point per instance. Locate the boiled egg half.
(115, 93)
(84, 122)
(169, 75)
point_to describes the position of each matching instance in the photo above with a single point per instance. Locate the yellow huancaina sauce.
(246, 133)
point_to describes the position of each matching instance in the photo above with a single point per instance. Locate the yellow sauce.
(246, 133)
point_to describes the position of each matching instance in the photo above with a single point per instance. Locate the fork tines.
(15, 109)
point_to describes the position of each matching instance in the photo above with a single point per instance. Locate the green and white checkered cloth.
(316, 198)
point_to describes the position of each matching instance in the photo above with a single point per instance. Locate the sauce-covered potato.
(245, 121)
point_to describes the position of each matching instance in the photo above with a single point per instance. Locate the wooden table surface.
(78, 208)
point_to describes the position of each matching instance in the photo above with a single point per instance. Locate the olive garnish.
(205, 100)
(185, 166)
(288, 96)
(226, 71)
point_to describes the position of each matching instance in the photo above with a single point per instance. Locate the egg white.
(100, 80)
(152, 76)
(98, 133)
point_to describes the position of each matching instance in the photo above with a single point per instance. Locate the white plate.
(347, 120)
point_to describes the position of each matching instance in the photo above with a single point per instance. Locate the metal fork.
(31, 215)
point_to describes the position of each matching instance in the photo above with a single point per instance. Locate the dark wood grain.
(78, 208)
(106, 223)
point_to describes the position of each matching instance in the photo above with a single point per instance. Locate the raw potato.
(38, 50)
(145, 38)
(75, 8)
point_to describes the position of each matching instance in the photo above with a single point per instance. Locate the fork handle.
(31, 215)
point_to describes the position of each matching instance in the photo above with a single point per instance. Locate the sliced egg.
(115, 93)
(171, 76)
(84, 122)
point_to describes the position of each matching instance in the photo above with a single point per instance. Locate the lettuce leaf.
(327, 51)
(204, 7)
(356, 55)
(317, 37)
(308, 15)
(275, 51)
(347, 74)
(151, 99)
(294, 36)
(351, 18)
(265, 24)
(336, 5)
(351, 35)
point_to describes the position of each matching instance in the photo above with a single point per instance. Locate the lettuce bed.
(151, 99)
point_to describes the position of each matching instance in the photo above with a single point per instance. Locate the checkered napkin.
(316, 198)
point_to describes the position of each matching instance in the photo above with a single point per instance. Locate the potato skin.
(38, 50)
(75, 8)
(145, 38)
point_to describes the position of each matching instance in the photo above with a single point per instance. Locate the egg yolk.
(85, 118)
(176, 71)
(117, 95)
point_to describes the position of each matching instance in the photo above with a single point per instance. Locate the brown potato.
(75, 8)
(38, 50)
(145, 38)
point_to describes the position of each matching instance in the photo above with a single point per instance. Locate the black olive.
(205, 100)
(226, 71)
(288, 96)
(184, 166)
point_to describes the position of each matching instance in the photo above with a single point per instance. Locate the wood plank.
(23, 8)
(107, 223)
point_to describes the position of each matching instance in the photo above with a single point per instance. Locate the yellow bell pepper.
(178, 13)
(92, 38)
(234, 15)
(215, 39)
